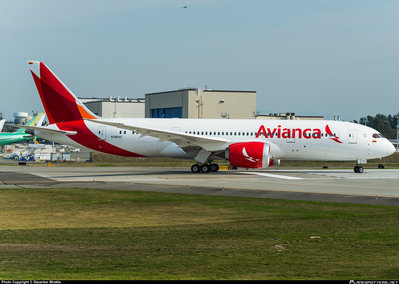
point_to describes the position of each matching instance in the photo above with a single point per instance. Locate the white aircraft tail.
(2, 124)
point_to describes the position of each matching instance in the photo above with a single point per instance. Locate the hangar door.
(172, 112)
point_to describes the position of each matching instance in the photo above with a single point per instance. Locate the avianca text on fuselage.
(286, 133)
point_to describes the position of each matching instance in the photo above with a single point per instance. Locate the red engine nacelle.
(249, 155)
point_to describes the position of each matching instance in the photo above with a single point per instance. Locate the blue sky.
(311, 57)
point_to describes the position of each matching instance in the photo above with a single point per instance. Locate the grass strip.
(98, 234)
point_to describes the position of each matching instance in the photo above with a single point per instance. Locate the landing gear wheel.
(205, 168)
(196, 168)
(214, 167)
(358, 169)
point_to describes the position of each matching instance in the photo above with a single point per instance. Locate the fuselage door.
(102, 132)
(352, 136)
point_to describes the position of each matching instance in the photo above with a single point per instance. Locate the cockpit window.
(377, 135)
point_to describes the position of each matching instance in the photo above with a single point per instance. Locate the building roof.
(113, 99)
(203, 90)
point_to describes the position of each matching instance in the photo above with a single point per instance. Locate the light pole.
(397, 132)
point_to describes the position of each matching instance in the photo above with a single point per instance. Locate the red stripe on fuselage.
(88, 139)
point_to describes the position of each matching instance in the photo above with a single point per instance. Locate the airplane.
(2, 124)
(245, 143)
(20, 136)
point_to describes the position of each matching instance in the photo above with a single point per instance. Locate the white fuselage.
(288, 139)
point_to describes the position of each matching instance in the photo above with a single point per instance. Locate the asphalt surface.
(374, 186)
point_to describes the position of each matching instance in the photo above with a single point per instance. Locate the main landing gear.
(358, 169)
(204, 168)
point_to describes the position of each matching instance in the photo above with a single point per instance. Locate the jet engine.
(249, 155)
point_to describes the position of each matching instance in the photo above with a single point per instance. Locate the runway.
(374, 186)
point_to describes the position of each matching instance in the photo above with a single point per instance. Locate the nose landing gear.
(358, 169)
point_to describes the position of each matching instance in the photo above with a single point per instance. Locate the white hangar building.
(115, 107)
(201, 103)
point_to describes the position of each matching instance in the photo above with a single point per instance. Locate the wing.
(183, 140)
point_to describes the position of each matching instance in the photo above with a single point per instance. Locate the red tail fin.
(60, 103)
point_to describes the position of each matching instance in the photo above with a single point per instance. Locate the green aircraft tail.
(37, 120)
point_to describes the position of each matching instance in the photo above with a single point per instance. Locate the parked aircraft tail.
(2, 124)
(37, 120)
(60, 104)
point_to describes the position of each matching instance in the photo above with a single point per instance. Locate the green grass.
(98, 234)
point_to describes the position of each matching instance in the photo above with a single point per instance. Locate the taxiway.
(374, 186)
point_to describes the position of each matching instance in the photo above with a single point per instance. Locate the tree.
(386, 125)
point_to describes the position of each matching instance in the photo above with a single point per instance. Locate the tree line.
(386, 125)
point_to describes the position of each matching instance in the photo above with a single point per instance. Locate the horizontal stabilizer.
(32, 129)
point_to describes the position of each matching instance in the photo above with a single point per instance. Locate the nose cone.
(390, 148)
(383, 148)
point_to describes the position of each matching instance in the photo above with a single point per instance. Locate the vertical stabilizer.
(60, 104)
